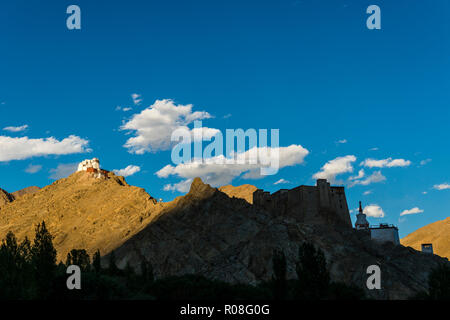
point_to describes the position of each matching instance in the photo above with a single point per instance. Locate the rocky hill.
(437, 233)
(81, 212)
(228, 239)
(205, 232)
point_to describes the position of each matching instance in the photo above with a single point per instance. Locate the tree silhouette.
(312, 272)
(279, 275)
(79, 257)
(43, 261)
(96, 263)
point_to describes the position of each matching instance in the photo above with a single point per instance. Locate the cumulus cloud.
(342, 141)
(124, 109)
(63, 170)
(33, 168)
(154, 125)
(374, 210)
(217, 171)
(335, 167)
(281, 181)
(24, 147)
(442, 186)
(16, 129)
(414, 210)
(385, 163)
(128, 171)
(424, 162)
(375, 177)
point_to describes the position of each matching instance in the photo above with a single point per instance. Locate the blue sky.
(309, 68)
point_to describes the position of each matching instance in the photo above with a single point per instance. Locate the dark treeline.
(29, 271)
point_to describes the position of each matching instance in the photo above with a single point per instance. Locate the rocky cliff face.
(437, 233)
(204, 232)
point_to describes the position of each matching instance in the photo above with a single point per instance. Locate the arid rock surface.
(204, 232)
(437, 233)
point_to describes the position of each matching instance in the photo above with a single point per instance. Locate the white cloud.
(136, 98)
(385, 163)
(424, 162)
(375, 177)
(424, 192)
(63, 170)
(16, 129)
(128, 171)
(228, 115)
(124, 109)
(24, 147)
(373, 210)
(414, 210)
(374, 149)
(360, 175)
(342, 141)
(366, 193)
(442, 186)
(33, 168)
(281, 181)
(217, 172)
(335, 167)
(154, 125)
(182, 186)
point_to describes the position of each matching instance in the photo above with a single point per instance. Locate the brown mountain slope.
(28, 190)
(437, 233)
(244, 191)
(224, 238)
(5, 197)
(81, 211)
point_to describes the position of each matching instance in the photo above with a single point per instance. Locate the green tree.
(313, 276)
(43, 261)
(279, 275)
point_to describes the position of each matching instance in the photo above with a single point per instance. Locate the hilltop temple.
(92, 166)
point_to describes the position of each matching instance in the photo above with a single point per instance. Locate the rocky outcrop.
(437, 233)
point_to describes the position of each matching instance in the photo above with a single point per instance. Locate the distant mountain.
(28, 190)
(205, 232)
(437, 233)
(244, 191)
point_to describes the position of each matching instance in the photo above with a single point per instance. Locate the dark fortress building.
(309, 204)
